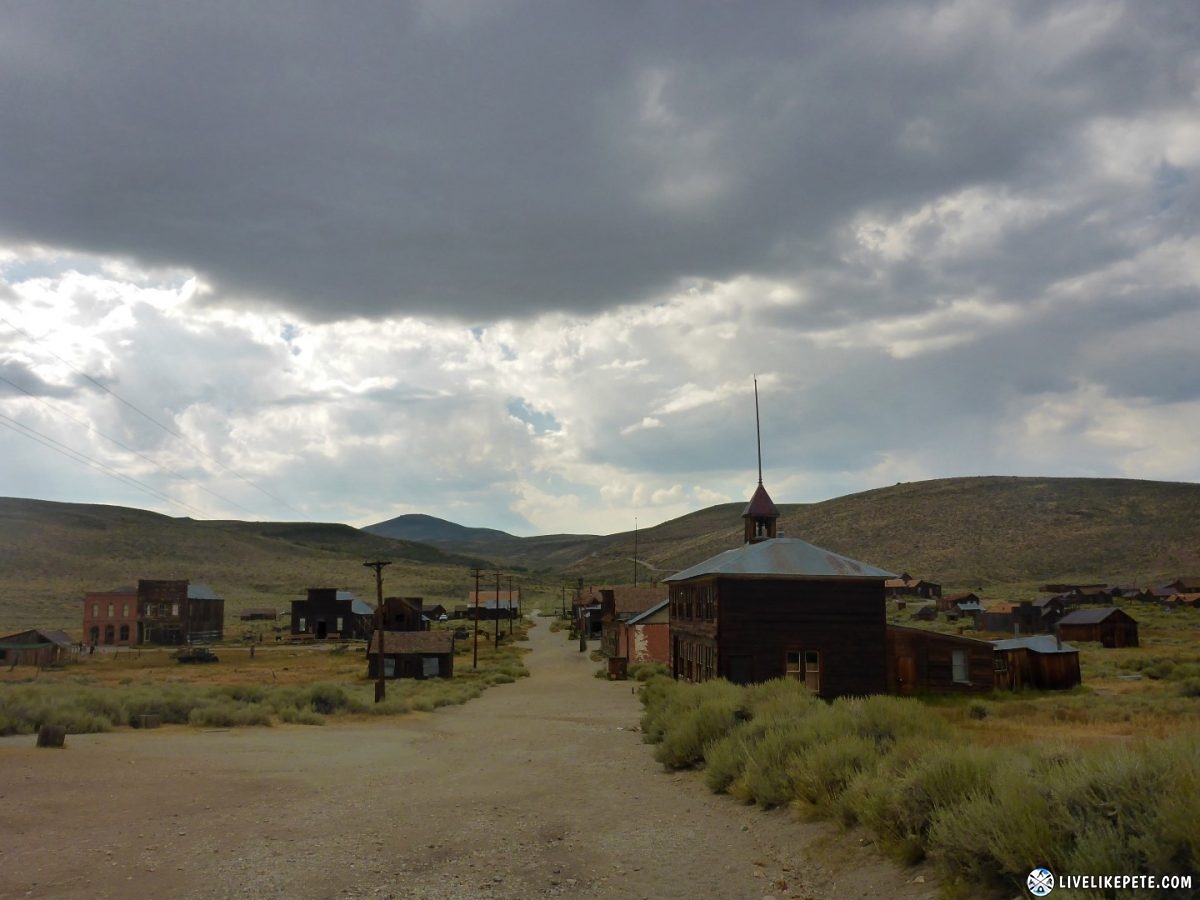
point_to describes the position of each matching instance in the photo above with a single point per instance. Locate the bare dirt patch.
(539, 788)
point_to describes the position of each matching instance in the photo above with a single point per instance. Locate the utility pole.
(475, 658)
(380, 684)
(496, 641)
(510, 603)
(635, 549)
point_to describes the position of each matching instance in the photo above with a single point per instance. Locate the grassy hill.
(1004, 535)
(999, 533)
(52, 553)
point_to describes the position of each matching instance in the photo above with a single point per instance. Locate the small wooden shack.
(921, 660)
(1109, 626)
(36, 647)
(1039, 661)
(412, 654)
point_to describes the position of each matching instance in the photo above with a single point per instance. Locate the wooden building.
(1109, 626)
(780, 607)
(646, 637)
(329, 613)
(258, 614)
(950, 601)
(1039, 661)
(403, 614)
(37, 647)
(925, 661)
(178, 612)
(493, 604)
(412, 654)
(906, 585)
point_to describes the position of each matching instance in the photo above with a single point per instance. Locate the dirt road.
(540, 788)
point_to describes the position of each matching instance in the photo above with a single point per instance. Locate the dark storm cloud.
(502, 159)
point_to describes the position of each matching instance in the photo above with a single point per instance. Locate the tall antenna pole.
(757, 431)
(635, 549)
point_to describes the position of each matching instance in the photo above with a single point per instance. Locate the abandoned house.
(920, 660)
(645, 637)
(330, 613)
(412, 654)
(1109, 626)
(156, 612)
(618, 604)
(780, 607)
(1039, 661)
(37, 647)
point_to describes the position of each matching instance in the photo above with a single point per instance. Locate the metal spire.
(757, 431)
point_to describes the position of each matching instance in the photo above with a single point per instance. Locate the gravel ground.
(541, 788)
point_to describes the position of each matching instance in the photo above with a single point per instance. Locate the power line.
(92, 428)
(152, 420)
(71, 453)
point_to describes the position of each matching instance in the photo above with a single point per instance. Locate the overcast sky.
(517, 264)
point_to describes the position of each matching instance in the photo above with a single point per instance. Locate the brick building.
(156, 612)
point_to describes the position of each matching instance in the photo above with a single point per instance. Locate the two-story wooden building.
(780, 607)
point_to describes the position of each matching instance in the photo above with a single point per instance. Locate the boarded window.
(958, 666)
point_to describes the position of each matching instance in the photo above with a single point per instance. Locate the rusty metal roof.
(400, 642)
(761, 505)
(782, 558)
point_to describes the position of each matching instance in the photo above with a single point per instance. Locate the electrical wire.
(155, 422)
(92, 429)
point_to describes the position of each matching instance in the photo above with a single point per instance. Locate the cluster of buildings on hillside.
(775, 607)
(781, 607)
(178, 613)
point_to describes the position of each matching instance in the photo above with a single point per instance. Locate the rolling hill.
(1004, 535)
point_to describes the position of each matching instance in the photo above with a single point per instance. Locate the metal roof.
(1090, 616)
(401, 642)
(1038, 643)
(782, 558)
(201, 592)
(645, 614)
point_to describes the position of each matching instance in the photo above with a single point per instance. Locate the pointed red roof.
(761, 506)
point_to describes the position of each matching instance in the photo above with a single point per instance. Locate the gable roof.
(1038, 643)
(401, 642)
(34, 638)
(1091, 616)
(782, 558)
(645, 614)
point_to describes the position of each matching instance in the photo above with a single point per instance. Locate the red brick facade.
(110, 617)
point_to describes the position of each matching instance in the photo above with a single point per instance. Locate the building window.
(124, 633)
(175, 609)
(94, 634)
(125, 611)
(339, 624)
(792, 668)
(1001, 663)
(958, 667)
(108, 634)
(95, 610)
(812, 670)
(110, 610)
(301, 628)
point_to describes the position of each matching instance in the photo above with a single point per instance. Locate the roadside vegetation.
(278, 684)
(1102, 779)
(929, 788)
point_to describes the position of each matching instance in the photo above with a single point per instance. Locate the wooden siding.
(920, 660)
(751, 624)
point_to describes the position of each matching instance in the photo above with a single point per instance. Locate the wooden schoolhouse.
(780, 607)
